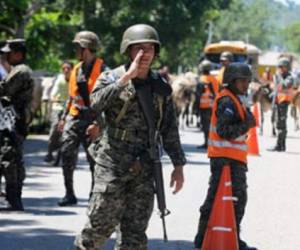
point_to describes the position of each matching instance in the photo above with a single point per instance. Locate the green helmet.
(205, 65)
(284, 62)
(139, 33)
(87, 39)
(236, 71)
(226, 56)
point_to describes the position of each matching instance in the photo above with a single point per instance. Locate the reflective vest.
(219, 147)
(77, 103)
(207, 97)
(284, 94)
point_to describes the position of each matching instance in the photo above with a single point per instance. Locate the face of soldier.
(242, 86)
(283, 69)
(148, 55)
(79, 52)
(14, 57)
(225, 62)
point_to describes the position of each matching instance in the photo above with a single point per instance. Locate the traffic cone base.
(221, 232)
(252, 142)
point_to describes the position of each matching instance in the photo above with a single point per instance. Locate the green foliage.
(251, 21)
(49, 26)
(292, 37)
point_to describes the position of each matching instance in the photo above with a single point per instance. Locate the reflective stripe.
(223, 229)
(229, 198)
(227, 144)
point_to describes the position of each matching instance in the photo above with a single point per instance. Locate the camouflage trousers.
(73, 135)
(281, 125)
(205, 115)
(123, 201)
(12, 165)
(55, 136)
(239, 189)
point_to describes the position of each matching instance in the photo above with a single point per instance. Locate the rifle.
(158, 180)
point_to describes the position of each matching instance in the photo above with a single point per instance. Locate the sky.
(296, 1)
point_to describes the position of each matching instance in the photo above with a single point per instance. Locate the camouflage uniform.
(123, 192)
(73, 135)
(287, 81)
(16, 90)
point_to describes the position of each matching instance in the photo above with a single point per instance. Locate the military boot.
(244, 246)
(13, 205)
(67, 200)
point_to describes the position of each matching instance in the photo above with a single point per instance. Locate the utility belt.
(127, 135)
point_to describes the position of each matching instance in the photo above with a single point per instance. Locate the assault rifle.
(158, 180)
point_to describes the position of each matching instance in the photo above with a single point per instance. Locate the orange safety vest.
(77, 101)
(219, 147)
(207, 97)
(284, 94)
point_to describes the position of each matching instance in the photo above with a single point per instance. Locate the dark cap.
(14, 45)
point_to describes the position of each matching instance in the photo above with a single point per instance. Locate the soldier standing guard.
(16, 95)
(284, 83)
(78, 121)
(206, 90)
(123, 193)
(230, 122)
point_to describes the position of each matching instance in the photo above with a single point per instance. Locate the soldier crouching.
(130, 97)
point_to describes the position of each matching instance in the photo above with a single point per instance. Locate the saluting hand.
(133, 70)
(177, 178)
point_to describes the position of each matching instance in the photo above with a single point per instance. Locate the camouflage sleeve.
(106, 90)
(229, 124)
(14, 82)
(288, 82)
(170, 135)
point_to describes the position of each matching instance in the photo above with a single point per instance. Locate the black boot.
(48, 157)
(67, 200)
(244, 246)
(13, 205)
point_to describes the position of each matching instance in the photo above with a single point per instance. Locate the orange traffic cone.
(221, 232)
(252, 142)
(255, 113)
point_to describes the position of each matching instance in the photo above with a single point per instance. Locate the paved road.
(272, 219)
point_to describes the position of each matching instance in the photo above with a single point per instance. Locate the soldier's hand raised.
(133, 70)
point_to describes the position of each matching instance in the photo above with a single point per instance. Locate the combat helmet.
(205, 65)
(226, 56)
(87, 39)
(236, 71)
(139, 33)
(17, 44)
(285, 62)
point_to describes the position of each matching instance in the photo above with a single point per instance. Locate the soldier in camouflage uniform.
(123, 193)
(16, 93)
(231, 119)
(284, 83)
(78, 121)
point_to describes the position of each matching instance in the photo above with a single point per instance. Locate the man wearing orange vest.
(284, 83)
(225, 58)
(230, 122)
(207, 89)
(78, 122)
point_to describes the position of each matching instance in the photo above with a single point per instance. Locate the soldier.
(78, 123)
(58, 97)
(284, 83)
(135, 100)
(16, 94)
(230, 122)
(206, 91)
(225, 59)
